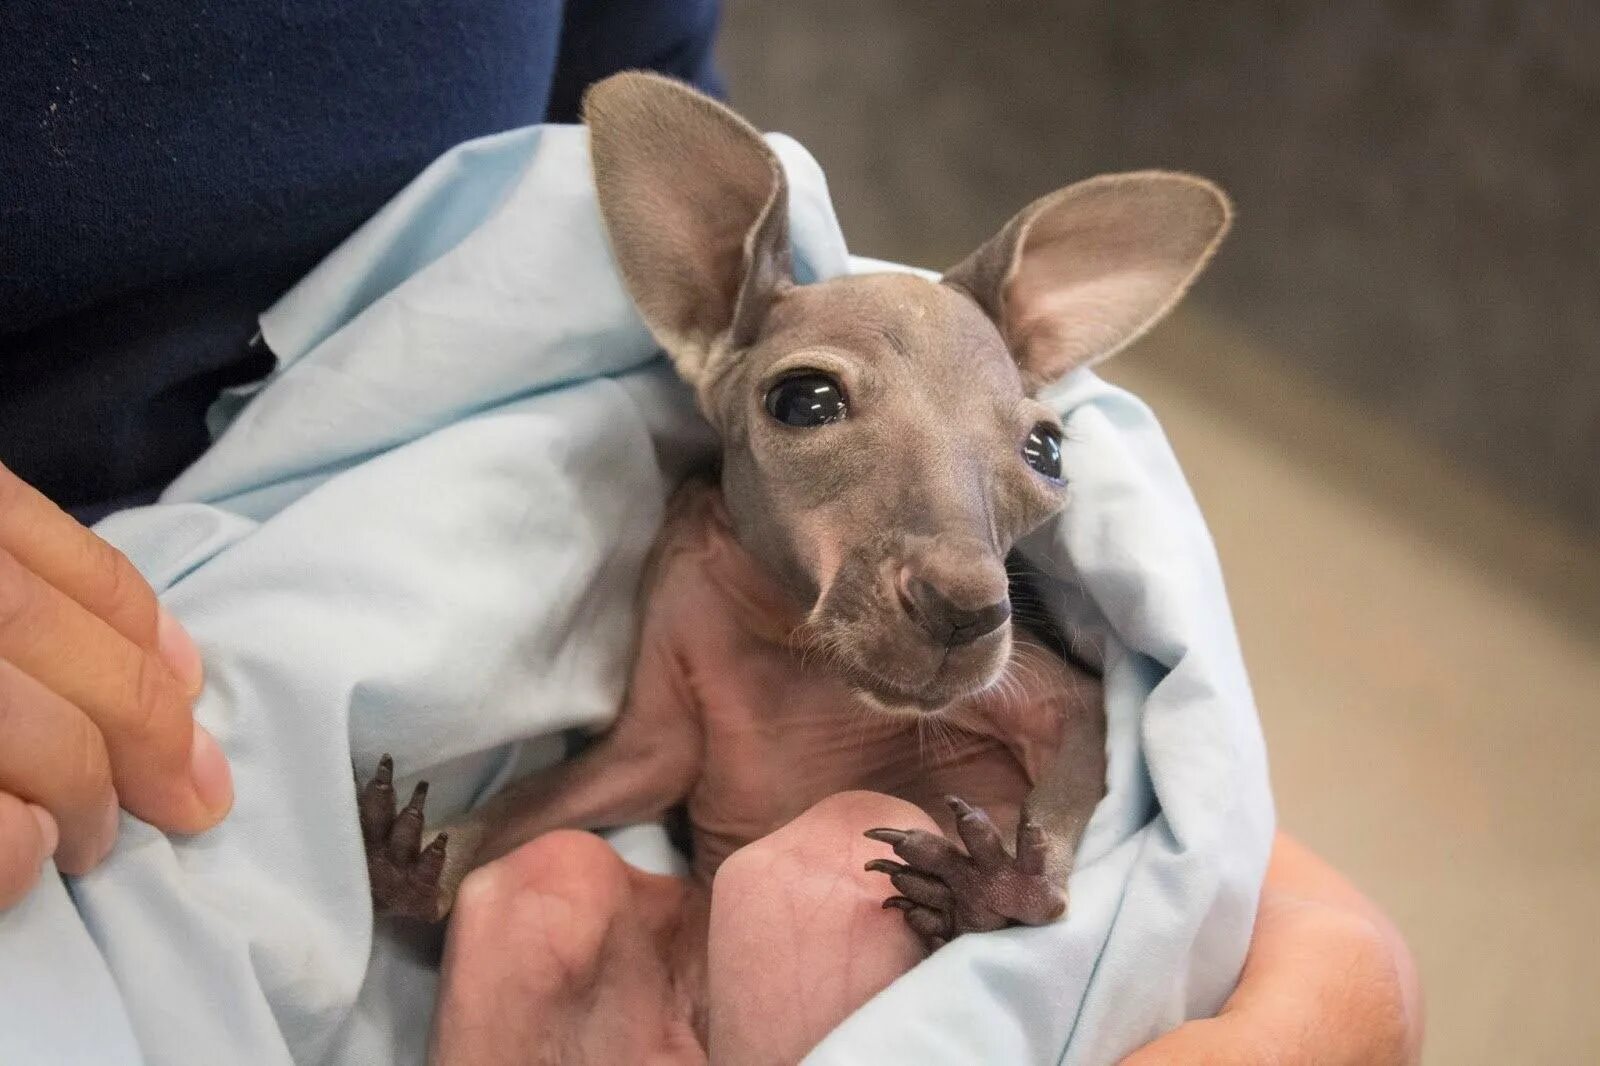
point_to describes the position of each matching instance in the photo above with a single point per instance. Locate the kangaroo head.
(883, 447)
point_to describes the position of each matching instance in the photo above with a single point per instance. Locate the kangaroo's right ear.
(1078, 275)
(696, 207)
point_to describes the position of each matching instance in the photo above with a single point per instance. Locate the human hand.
(97, 683)
(1328, 980)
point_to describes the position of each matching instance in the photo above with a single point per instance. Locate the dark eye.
(806, 399)
(1042, 450)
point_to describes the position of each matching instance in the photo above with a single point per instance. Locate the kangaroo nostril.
(970, 625)
(928, 606)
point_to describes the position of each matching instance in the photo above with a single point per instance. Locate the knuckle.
(854, 812)
(10, 702)
(481, 892)
(558, 857)
(772, 865)
(152, 720)
(748, 865)
(17, 593)
(20, 857)
(89, 779)
(120, 589)
(19, 872)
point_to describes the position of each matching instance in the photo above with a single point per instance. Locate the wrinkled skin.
(559, 952)
(1328, 979)
(553, 954)
(836, 616)
(784, 768)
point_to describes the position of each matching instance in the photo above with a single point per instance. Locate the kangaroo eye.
(806, 399)
(1042, 450)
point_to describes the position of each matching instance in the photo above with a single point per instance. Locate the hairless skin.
(834, 615)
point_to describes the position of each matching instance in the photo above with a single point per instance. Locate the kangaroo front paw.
(945, 891)
(404, 875)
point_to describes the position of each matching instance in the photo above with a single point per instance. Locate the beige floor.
(1432, 709)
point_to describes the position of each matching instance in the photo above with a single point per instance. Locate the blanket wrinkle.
(422, 535)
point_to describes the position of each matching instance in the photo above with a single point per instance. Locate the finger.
(375, 804)
(406, 834)
(53, 756)
(919, 847)
(430, 864)
(27, 837)
(914, 884)
(165, 770)
(1032, 847)
(931, 924)
(69, 557)
(979, 835)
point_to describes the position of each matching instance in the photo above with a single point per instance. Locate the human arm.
(1328, 979)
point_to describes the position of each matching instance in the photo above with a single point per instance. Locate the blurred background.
(1386, 393)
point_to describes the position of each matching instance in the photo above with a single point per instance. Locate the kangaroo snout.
(955, 595)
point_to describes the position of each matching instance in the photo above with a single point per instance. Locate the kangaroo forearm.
(1063, 801)
(606, 785)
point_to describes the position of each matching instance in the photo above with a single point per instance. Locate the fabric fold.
(423, 534)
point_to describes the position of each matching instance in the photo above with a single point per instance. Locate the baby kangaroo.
(835, 612)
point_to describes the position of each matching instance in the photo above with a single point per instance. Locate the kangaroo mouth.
(888, 699)
(947, 684)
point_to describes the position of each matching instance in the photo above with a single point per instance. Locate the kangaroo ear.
(1079, 274)
(696, 207)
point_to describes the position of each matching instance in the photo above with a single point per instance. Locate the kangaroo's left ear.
(696, 207)
(1079, 274)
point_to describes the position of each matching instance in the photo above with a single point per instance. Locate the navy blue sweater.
(169, 167)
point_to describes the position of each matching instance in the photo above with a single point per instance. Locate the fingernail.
(208, 768)
(77, 857)
(109, 831)
(47, 828)
(179, 652)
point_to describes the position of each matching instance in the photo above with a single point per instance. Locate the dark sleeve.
(602, 37)
(169, 167)
(172, 166)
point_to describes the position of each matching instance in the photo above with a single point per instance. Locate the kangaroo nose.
(944, 620)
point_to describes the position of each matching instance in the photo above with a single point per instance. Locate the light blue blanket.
(423, 534)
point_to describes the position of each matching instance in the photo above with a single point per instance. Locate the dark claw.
(406, 834)
(404, 880)
(375, 802)
(928, 851)
(930, 923)
(979, 834)
(430, 864)
(945, 890)
(923, 889)
(1032, 846)
(934, 926)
